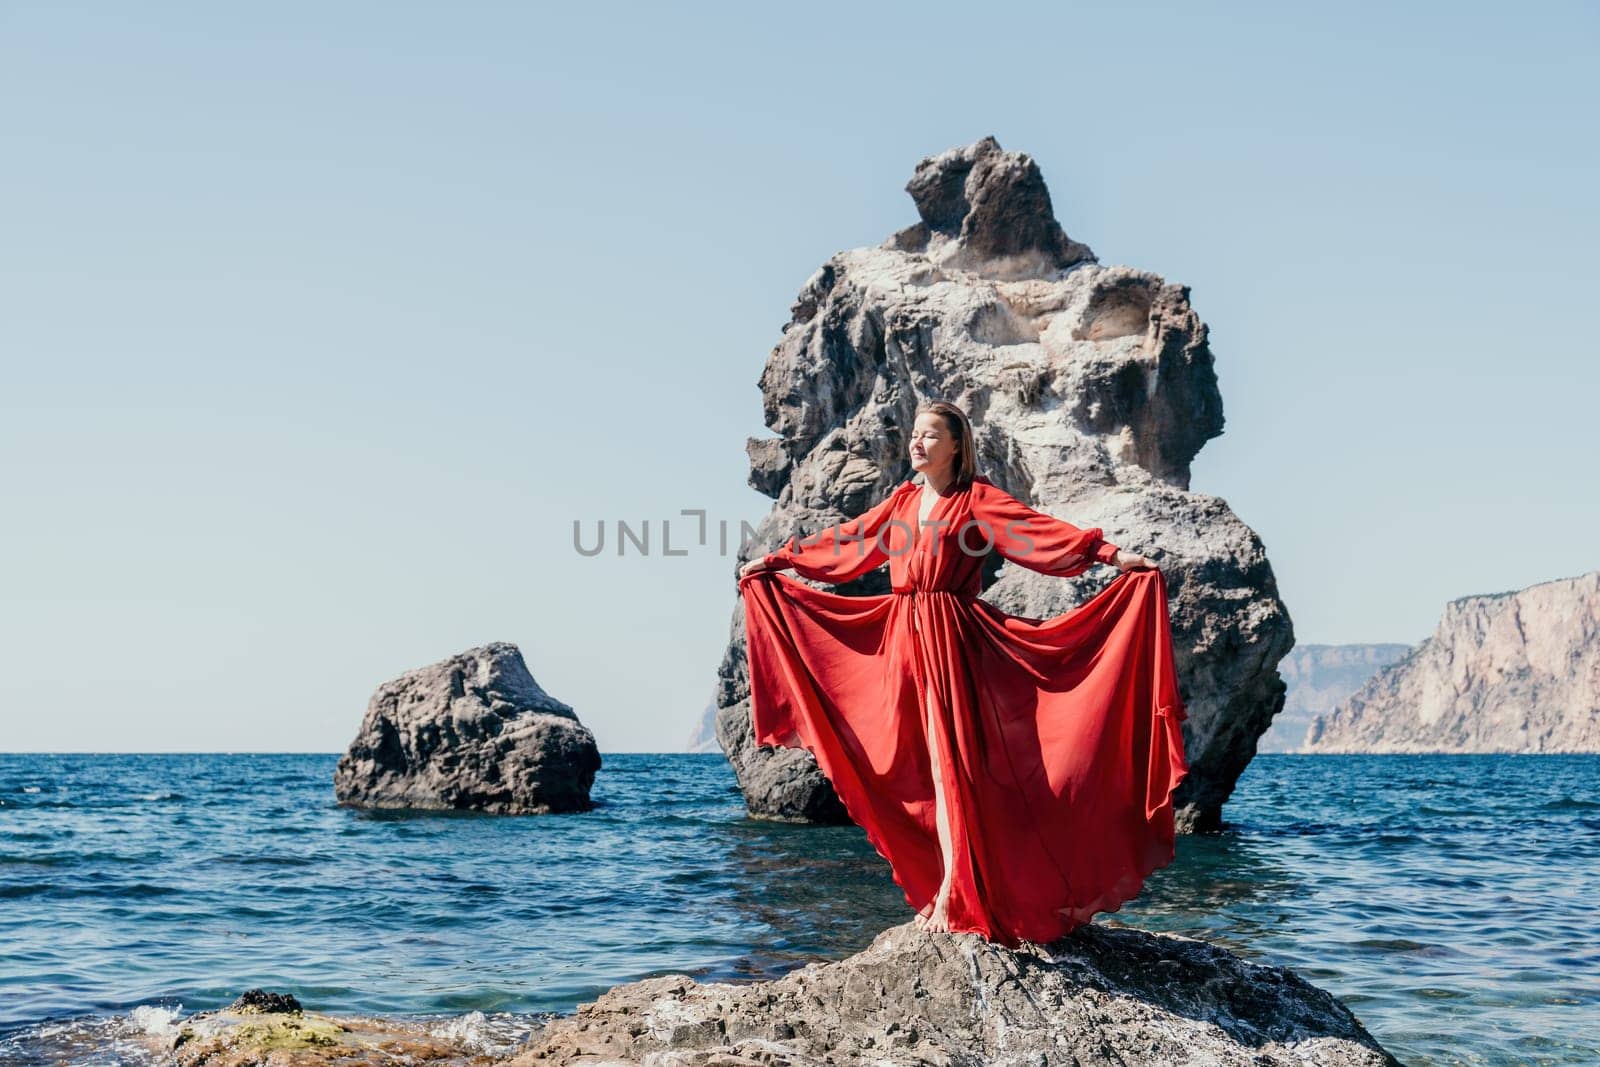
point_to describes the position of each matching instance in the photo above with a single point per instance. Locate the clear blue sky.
(320, 323)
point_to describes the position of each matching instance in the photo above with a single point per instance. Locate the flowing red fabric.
(1060, 739)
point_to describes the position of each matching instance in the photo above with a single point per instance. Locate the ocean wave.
(498, 1035)
(155, 1020)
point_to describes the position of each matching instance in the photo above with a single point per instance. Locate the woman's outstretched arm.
(1035, 540)
(839, 553)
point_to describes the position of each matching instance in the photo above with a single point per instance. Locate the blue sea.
(1452, 901)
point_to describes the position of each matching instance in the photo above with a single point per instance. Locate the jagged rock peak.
(988, 211)
(1090, 389)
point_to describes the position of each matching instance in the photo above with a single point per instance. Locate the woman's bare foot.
(938, 920)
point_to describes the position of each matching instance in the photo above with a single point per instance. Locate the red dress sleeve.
(844, 551)
(1035, 540)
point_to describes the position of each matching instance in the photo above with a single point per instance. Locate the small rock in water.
(272, 1030)
(259, 1000)
(474, 732)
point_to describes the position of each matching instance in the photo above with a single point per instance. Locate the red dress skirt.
(1060, 740)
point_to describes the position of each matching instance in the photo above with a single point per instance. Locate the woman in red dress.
(1016, 774)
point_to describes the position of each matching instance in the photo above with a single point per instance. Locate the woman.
(1016, 774)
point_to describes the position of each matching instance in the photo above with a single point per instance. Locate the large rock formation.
(1090, 388)
(1100, 995)
(1320, 678)
(474, 731)
(1503, 672)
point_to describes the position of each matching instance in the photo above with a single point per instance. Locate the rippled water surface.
(1452, 901)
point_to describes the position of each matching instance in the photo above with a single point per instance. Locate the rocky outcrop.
(1091, 389)
(1503, 672)
(474, 731)
(272, 1029)
(1099, 996)
(1320, 678)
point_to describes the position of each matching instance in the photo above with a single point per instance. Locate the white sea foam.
(499, 1036)
(93, 1041)
(155, 1020)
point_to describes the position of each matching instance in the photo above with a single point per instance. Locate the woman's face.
(933, 448)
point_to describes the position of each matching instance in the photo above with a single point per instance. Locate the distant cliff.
(1320, 678)
(704, 737)
(1504, 672)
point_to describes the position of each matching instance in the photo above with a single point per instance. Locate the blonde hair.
(955, 420)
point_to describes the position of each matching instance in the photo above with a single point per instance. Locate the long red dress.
(1060, 740)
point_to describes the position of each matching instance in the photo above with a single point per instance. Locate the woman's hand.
(755, 566)
(1132, 561)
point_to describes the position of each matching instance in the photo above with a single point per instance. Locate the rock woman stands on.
(1017, 774)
